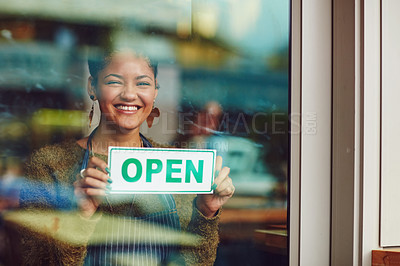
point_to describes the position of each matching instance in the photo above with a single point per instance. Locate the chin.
(121, 127)
(127, 128)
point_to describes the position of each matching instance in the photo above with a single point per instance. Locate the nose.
(129, 92)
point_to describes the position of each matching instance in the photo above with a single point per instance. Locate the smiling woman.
(125, 86)
(223, 71)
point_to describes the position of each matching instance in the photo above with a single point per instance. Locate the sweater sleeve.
(50, 233)
(193, 221)
(52, 238)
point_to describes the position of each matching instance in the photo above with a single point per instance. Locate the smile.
(127, 107)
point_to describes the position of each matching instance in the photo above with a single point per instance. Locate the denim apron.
(132, 240)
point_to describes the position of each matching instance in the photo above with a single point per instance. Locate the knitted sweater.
(63, 237)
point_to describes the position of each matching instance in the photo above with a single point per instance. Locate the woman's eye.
(113, 82)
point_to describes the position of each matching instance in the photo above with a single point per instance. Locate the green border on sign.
(163, 149)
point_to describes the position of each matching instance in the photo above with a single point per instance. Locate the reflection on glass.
(223, 77)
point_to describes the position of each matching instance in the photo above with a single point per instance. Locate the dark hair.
(97, 61)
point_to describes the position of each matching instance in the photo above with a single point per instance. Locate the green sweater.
(52, 237)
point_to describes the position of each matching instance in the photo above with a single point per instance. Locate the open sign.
(159, 170)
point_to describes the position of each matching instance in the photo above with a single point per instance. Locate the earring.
(155, 112)
(91, 112)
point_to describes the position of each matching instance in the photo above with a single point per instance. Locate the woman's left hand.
(209, 204)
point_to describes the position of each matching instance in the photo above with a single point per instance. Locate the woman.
(125, 84)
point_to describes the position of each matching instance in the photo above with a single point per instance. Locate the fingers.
(222, 175)
(225, 188)
(217, 170)
(94, 180)
(97, 169)
(96, 174)
(218, 163)
(95, 162)
(223, 185)
(83, 192)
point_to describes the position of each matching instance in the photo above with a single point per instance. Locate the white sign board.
(159, 170)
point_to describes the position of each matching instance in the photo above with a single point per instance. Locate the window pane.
(223, 76)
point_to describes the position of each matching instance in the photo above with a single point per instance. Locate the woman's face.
(126, 90)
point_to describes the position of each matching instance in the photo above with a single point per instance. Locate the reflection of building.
(246, 89)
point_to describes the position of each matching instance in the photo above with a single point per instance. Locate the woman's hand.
(91, 185)
(209, 204)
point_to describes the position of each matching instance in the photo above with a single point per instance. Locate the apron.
(131, 240)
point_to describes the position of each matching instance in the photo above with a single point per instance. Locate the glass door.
(223, 75)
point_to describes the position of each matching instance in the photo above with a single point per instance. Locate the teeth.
(127, 108)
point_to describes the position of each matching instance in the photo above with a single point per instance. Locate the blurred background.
(224, 83)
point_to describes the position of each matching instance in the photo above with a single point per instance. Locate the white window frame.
(334, 174)
(310, 162)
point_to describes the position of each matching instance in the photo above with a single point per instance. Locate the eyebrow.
(113, 75)
(137, 78)
(143, 76)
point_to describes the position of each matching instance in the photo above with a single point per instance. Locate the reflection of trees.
(279, 61)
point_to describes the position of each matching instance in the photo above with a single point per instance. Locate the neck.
(105, 137)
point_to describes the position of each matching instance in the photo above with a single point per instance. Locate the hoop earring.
(155, 112)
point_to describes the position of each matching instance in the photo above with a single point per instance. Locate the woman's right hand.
(91, 186)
